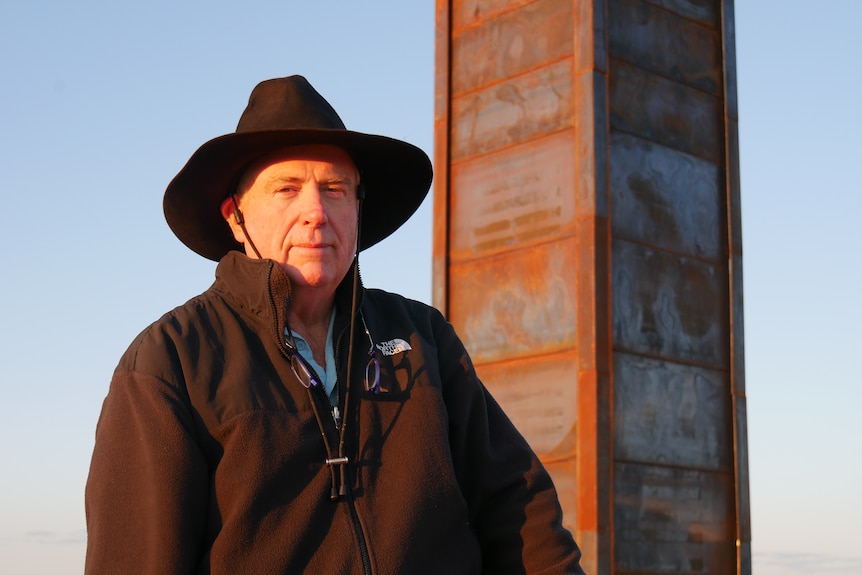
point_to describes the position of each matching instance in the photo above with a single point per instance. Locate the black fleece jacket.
(209, 457)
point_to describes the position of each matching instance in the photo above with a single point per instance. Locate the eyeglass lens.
(302, 372)
(372, 373)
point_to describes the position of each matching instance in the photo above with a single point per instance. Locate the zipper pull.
(336, 415)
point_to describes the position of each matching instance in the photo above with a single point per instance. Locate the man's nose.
(312, 206)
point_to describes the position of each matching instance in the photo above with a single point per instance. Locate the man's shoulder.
(161, 341)
(391, 301)
(187, 315)
(398, 312)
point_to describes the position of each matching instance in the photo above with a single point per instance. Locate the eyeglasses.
(300, 367)
(309, 378)
(372, 368)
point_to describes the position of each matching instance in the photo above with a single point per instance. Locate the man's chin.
(311, 277)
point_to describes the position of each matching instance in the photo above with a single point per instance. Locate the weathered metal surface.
(742, 479)
(737, 356)
(737, 321)
(669, 306)
(665, 43)
(672, 520)
(590, 41)
(728, 47)
(664, 111)
(668, 413)
(523, 388)
(472, 12)
(514, 197)
(732, 191)
(594, 459)
(666, 198)
(510, 44)
(524, 107)
(707, 11)
(515, 305)
(441, 191)
(592, 142)
(554, 118)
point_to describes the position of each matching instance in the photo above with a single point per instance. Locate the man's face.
(300, 209)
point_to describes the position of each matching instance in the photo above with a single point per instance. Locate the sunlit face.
(300, 209)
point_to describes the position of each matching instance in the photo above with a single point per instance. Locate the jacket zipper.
(354, 516)
(349, 501)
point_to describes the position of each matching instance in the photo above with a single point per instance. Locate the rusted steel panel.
(513, 197)
(524, 107)
(742, 479)
(540, 393)
(669, 306)
(733, 191)
(442, 73)
(737, 359)
(471, 12)
(594, 465)
(706, 11)
(547, 139)
(671, 520)
(594, 462)
(593, 293)
(518, 304)
(740, 439)
(664, 43)
(440, 245)
(592, 141)
(441, 227)
(728, 28)
(671, 414)
(666, 198)
(511, 44)
(737, 320)
(664, 111)
(590, 40)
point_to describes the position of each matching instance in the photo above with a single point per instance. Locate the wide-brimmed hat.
(289, 112)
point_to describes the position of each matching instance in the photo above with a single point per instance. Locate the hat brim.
(396, 176)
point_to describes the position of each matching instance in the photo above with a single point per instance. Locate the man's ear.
(230, 212)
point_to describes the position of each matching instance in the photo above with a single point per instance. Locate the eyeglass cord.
(342, 460)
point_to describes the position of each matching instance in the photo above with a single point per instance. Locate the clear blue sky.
(102, 102)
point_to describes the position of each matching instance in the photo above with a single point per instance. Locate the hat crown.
(287, 104)
(281, 113)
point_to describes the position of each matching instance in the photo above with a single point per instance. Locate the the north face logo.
(393, 346)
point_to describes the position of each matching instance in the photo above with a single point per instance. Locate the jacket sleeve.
(147, 488)
(512, 502)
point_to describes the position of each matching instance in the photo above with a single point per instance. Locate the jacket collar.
(262, 288)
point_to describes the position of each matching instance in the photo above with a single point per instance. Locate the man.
(290, 420)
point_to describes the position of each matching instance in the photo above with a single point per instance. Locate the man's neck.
(309, 315)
